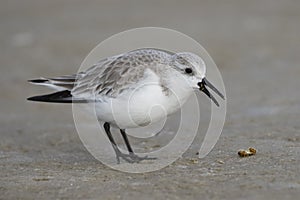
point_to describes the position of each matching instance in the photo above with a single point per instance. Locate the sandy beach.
(256, 46)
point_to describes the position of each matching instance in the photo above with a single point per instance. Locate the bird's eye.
(188, 70)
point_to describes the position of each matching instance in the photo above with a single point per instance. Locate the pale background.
(256, 46)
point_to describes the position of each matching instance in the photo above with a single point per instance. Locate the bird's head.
(193, 68)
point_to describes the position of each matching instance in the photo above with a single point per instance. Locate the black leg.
(106, 127)
(115, 146)
(124, 135)
(107, 130)
(131, 157)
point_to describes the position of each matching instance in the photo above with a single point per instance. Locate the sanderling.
(125, 87)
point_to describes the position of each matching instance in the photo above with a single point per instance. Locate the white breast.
(135, 108)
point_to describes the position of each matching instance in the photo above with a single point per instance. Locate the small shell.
(194, 160)
(252, 150)
(245, 153)
(220, 161)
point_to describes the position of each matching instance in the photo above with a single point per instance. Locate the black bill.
(202, 86)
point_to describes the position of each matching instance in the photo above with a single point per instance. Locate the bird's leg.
(132, 155)
(124, 135)
(119, 154)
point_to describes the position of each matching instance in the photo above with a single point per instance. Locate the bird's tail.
(58, 83)
(63, 84)
(64, 96)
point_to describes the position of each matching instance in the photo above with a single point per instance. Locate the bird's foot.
(131, 157)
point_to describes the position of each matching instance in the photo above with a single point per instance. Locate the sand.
(256, 46)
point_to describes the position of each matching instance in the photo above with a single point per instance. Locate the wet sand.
(256, 46)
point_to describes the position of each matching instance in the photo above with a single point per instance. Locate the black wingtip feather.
(57, 97)
(37, 81)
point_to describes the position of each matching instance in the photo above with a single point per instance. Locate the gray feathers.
(113, 75)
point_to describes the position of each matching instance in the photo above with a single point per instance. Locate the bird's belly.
(139, 108)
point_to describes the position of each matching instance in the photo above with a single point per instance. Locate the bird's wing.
(114, 75)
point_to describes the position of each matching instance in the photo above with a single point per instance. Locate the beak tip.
(206, 82)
